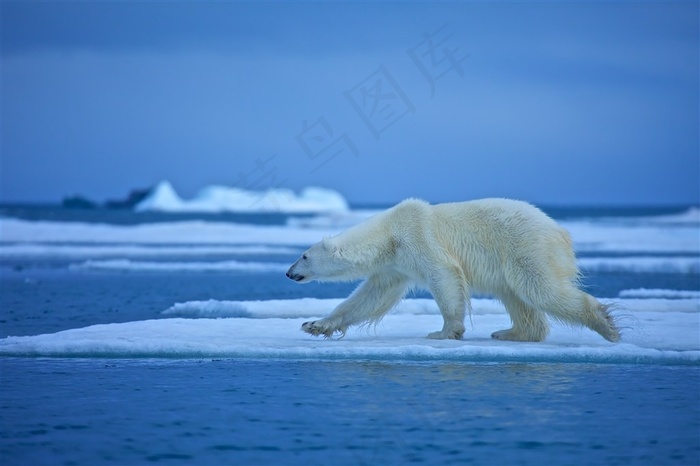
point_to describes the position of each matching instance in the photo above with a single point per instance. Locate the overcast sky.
(585, 103)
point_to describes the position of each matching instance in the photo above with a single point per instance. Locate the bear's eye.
(304, 257)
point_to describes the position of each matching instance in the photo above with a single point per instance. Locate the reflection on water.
(355, 412)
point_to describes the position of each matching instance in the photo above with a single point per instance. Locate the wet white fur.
(506, 248)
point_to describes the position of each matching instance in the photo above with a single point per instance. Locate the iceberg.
(217, 199)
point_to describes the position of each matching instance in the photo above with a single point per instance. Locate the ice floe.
(660, 332)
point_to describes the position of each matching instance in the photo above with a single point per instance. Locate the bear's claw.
(316, 329)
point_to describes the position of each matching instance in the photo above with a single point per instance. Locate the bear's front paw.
(446, 335)
(512, 335)
(319, 327)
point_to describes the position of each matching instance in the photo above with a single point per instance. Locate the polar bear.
(506, 248)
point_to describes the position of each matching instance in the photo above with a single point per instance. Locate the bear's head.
(323, 261)
(356, 253)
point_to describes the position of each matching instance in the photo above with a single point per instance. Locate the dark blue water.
(273, 412)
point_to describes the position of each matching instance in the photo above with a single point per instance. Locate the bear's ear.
(332, 246)
(365, 252)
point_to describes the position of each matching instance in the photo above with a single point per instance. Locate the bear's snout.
(294, 276)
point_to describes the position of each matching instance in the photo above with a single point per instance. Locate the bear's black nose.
(295, 277)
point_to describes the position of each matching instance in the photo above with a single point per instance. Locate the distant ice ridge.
(689, 217)
(215, 199)
(132, 250)
(182, 233)
(332, 220)
(662, 332)
(660, 293)
(588, 237)
(686, 265)
(169, 266)
(689, 265)
(634, 238)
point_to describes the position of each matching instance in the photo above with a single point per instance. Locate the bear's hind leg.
(578, 307)
(528, 323)
(572, 306)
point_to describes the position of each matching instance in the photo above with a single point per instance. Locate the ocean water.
(174, 339)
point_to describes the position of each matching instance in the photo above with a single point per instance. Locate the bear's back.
(483, 220)
(498, 212)
(497, 225)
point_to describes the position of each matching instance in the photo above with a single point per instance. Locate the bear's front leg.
(450, 292)
(326, 327)
(368, 303)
